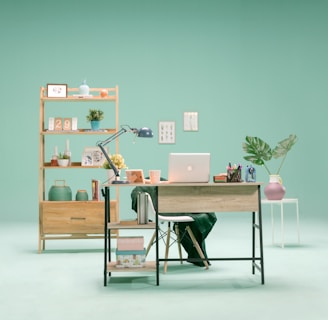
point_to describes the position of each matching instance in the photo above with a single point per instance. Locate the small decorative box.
(222, 177)
(130, 259)
(130, 243)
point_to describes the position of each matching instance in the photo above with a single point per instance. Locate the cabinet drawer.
(71, 217)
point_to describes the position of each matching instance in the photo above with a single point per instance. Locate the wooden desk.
(208, 197)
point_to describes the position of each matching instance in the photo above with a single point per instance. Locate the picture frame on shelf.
(57, 90)
(93, 156)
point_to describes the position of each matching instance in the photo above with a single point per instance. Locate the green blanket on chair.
(201, 226)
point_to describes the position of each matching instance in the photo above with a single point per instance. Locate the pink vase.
(274, 190)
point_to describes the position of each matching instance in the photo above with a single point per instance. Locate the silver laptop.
(189, 167)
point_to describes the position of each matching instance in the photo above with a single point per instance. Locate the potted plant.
(63, 160)
(118, 162)
(95, 116)
(259, 153)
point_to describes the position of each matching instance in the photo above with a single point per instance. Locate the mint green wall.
(247, 67)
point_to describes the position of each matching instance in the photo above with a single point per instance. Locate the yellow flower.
(117, 160)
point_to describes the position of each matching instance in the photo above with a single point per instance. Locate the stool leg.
(298, 222)
(282, 225)
(272, 223)
(199, 250)
(150, 243)
(168, 237)
(179, 243)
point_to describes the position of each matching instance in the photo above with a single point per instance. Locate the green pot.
(60, 192)
(81, 195)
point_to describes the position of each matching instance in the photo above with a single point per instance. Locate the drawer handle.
(77, 218)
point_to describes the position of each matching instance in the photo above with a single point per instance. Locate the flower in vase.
(117, 160)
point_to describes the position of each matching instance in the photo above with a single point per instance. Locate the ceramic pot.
(111, 175)
(84, 88)
(60, 192)
(95, 125)
(81, 195)
(274, 190)
(63, 162)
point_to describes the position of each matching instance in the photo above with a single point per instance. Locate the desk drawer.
(74, 217)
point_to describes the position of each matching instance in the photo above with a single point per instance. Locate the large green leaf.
(284, 146)
(258, 150)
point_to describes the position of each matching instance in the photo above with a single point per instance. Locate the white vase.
(110, 175)
(84, 88)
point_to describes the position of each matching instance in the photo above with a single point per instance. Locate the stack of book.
(130, 252)
(222, 177)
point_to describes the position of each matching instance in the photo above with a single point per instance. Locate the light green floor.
(66, 282)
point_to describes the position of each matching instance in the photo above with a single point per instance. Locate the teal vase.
(95, 125)
(81, 195)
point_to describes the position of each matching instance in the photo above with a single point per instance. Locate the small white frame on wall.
(190, 121)
(166, 132)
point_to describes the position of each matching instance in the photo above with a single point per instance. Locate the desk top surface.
(181, 184)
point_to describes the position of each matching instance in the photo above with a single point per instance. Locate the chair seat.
(176, 218)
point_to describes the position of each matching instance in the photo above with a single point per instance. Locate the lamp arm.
(113, 137)
(102, 144)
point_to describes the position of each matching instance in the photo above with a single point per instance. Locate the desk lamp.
(142, 133)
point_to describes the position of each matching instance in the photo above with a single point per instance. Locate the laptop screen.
(189, 167)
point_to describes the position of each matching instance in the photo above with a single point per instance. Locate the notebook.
(189, 167)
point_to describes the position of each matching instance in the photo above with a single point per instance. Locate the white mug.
(155, 176)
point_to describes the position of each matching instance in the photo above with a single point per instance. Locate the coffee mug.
(155, 176)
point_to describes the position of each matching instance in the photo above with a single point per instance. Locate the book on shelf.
(95, 187)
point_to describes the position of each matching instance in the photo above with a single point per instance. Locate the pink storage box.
(130, 243)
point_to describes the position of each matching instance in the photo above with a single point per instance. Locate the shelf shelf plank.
(75, 165)
(133, 224)
(149, 266)
(79, 131)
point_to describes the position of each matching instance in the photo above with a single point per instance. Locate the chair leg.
(199, 250)
(168, 237)
(151, 242)
(179, 242)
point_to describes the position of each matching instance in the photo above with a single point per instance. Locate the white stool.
(281, 203)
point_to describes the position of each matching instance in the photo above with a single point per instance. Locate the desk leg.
(157, 244)
(260, 236)
(106, 234)
(261, 245)
(253, 242)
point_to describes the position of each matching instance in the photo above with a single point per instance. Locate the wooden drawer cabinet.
(73, 219)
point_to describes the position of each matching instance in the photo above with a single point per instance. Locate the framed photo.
(57, 90)
(190, 121)
(93, 156)
(135, 176)
(166, 132)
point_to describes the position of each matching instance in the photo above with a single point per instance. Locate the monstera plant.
(259, 152)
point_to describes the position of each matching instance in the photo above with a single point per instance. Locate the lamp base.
(120, 182)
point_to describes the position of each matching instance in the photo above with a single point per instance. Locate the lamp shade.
(145, 133)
